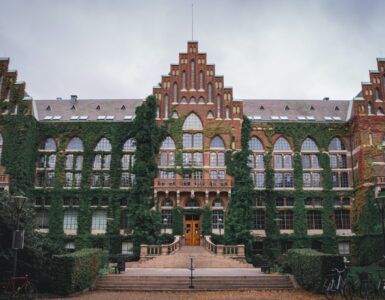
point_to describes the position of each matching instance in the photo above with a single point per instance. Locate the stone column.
(143, 251)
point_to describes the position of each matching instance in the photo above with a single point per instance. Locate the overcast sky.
(264, 49)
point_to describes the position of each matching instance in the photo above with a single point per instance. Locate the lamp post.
(380, 203)
(18, 235)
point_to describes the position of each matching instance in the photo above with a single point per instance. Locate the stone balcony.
(193, 184)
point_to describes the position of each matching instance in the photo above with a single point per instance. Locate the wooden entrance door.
(192, 230)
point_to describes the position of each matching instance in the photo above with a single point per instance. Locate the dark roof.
(297, 110)
(85, 110)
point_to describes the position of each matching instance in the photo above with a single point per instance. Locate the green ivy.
(177, 221)
(206, 220)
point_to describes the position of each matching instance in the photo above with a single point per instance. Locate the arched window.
(338, 164)
(283, 164)
(370, 108)
(175, 92)
(74, 163)
(175, 115)
(311, 173)
(376, 94)
(380, 111)
(192, 74)
(157, 112)
(183, 100)
(282, 145)
(255, 144)
(128, 159)
(201, 100)
(167, 153)
(336, 145)
(102, 164)
(210, 92)
(201, 80)
(1, 146)
(192, 122)
(210, 115)
(192, 100)
(217, 142)
(256, 162)
(227, 112)
(166, 106)
(183, 80)
(45, 167)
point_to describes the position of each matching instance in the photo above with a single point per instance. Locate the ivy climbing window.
(217, 159)
(217, 219)
(102, 164)
(74, 163)
(314, 219)
(167, 153)
(256, 162)
(166, 218)
(70, 220)
(342, 218)
(259, 219)
(285, 218)
(283, 164)
(338, 164)
(192, 141)
(310, 165)
(45, 167)
(99, 220)
(42, 219)
(128, 159)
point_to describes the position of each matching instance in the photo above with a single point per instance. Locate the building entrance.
(192, 230)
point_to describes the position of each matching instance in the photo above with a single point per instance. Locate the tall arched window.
(102, 164)
(210, 92)
(1, 146)
(310, 165)
(256, 162)
(370, 108)
(283, 164)
(192, 74)
(338, 163)
(165, 106)
(217, 159)
(183, 80)
(45, 168)
(380, 111)
(74, 163)
(128, 159)
(193, 143)
(201, 80)
(175, 92)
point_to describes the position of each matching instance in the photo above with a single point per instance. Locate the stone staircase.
(211, 273)
(181, 259)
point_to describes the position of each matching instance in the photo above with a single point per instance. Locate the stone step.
(164, 283)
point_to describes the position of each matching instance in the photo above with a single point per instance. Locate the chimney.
(74, 98)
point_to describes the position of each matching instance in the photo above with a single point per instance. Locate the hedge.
(77, 271)
(311, 267)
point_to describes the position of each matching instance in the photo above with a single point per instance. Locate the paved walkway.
(197, 272)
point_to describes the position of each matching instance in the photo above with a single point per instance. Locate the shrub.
(77, 271)
(367, 249)
(311, 267)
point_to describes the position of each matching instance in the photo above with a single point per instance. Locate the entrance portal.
(192, 230)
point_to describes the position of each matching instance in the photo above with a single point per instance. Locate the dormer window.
(287, 108)
(123, 107)
(336, 108)
(48, 108)
(312, 108)
(261, 107)
(73, 107)
(98, 107)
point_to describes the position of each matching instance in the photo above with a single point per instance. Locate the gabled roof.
(297, 110)
(85, 110)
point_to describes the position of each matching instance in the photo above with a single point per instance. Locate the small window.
(127, 248)
(344, 248)
(255, 144)
(98, 107)
(217, 142)
(281, 144)
(48, 108)
(129, 145)
(103, 145)
(123, 107)
(287, 108)
(312, 107)
(261, 107)
(336, 108)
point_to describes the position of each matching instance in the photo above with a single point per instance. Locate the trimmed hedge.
(311, 267)
(77, 271)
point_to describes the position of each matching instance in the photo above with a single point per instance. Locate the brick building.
(207, 122)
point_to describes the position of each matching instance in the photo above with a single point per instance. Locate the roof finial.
(192, 21)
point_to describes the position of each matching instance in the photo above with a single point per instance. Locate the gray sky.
(264, 49)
